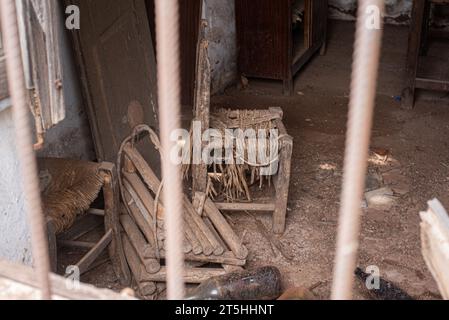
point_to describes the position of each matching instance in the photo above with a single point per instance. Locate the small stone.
(383, 197)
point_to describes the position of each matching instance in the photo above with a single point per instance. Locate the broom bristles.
(70, 188)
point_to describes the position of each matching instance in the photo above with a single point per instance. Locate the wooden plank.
(225, 230)
(432, 84)
(264, 207)
(25, 277)
(435, 244)
(201, 108)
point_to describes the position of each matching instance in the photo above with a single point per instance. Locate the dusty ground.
(417, 166)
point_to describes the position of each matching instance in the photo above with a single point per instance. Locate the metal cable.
(363, 91)
(168, 66)
(24, 144)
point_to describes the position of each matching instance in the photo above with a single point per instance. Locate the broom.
(68, 189)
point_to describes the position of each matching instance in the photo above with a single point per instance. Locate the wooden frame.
(417, 46)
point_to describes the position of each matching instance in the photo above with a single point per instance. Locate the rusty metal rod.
(168, 67)
(24, 145)
(363, 91)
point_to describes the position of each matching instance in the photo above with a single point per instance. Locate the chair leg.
(425, 29)
(282, 185)
(415, 37)
(52, 245)
(288, 86)
(112, 222)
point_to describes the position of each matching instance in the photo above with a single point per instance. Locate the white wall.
(15, 243)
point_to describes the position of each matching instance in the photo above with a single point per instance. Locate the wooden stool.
(417, 46)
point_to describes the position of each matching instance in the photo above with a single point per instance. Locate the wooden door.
(263, 31)
(118, 68)
(189, 22)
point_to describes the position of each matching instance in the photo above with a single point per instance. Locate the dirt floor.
(415, 168)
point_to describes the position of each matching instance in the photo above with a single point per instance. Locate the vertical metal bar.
(24, 144)
(363, 91)
(168, 57)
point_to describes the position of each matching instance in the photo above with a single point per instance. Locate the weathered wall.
(221, 34)
(15, 243)
(397, 11)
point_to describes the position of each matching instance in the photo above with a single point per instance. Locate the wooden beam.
(435, 244)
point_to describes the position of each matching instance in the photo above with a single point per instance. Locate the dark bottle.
(387, 290)
(259, 284)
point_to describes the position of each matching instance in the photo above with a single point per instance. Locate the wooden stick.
(140, 220)
(187, 247)
(202, 106)
(148, 175)
(128, 166)
(230, 268)
(191, 275)
(144, 195)
(214, 231)
(190, 235)
(198, 234)
(226, 258)
(96, 212)
(264, 207)
(76, 244)
(192, 214)
(143, 249)
(225, 230)
(146, 286)
(111, 195)
(198, 202)
(93, 254)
